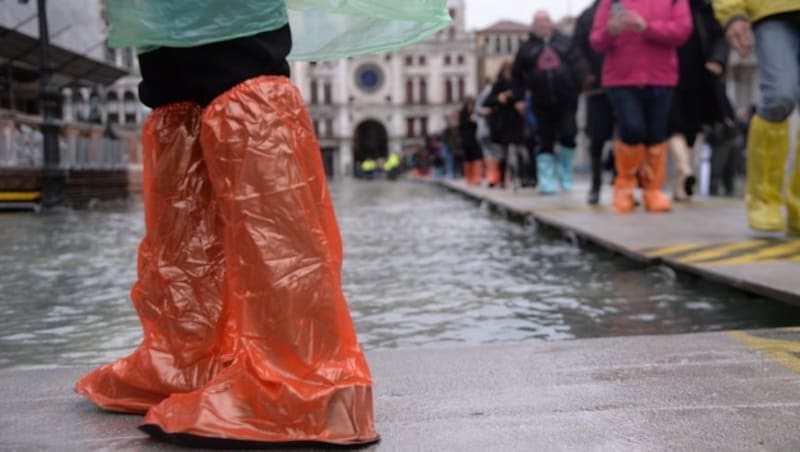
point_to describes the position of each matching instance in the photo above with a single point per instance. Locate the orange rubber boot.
(178, 291)
(298, 373)
(628, 159)
(492, 172)
(477, 172)
(468, 172)
(654, 174)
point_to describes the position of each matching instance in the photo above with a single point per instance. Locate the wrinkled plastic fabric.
(277, 360)
(628, 159)
(767, 149)
(178, 293)
(324, 29)
(793, 193)
(653, 174)
(321, 29)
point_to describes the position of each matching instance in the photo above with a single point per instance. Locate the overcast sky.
(481, 13)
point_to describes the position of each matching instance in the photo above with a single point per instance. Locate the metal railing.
(81, 146)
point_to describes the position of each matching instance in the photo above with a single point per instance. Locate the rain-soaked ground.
(423, 267)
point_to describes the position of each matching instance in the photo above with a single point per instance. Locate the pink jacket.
(647, 58)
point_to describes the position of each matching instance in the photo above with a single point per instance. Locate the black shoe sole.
(688, 185)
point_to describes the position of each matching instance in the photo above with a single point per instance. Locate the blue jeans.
(778, 53)
(642, 113)
(447, 156)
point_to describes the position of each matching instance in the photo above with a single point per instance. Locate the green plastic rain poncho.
(321, 29)
(247, 333)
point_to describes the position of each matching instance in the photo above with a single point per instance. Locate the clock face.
(369, 77)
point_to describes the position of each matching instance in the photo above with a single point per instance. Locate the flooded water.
(423, 267)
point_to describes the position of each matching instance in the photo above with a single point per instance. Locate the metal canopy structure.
(20, 52)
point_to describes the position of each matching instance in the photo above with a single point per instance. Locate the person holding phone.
(639, 40)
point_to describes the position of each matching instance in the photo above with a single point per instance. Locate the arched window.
(448, 91)
(327, 93)
(409, 91)
(127, 57)
(112, 107)
(77, 105)
(423, 91)
(130, 104)
(461, 89)
(111, 55)
(314, 91)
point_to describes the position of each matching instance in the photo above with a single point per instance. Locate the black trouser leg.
(600, 127)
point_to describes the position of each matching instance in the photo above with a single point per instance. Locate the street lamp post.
(52, 181)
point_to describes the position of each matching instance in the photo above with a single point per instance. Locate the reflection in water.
(422, 268)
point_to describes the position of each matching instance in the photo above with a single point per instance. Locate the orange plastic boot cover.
(298, 373)
(492, 171)
(654, 174)
(628, 159)
(475, 172)
(478, 172)
(178, 292)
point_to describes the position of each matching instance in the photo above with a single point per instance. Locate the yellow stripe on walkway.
(675, 249)
(721, 251)
(19, 195)
(783, 351)
(783, 249)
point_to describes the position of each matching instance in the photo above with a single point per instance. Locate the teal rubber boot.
(564, 170)
(546, 171)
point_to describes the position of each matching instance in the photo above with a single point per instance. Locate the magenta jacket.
(647, 58)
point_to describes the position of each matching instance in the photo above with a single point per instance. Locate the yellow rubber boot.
(793, 194)
(767, 147)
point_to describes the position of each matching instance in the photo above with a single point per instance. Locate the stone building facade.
(372, 105)
(496, 44)
(369, 105)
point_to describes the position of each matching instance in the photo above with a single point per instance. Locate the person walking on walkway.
(505, 124)
(599, 113)
(451, 147)
(551, 70)
(700, 99)
(247, 334)
(473, 155)
(492, 152)
(640, 39)
(775, 25)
